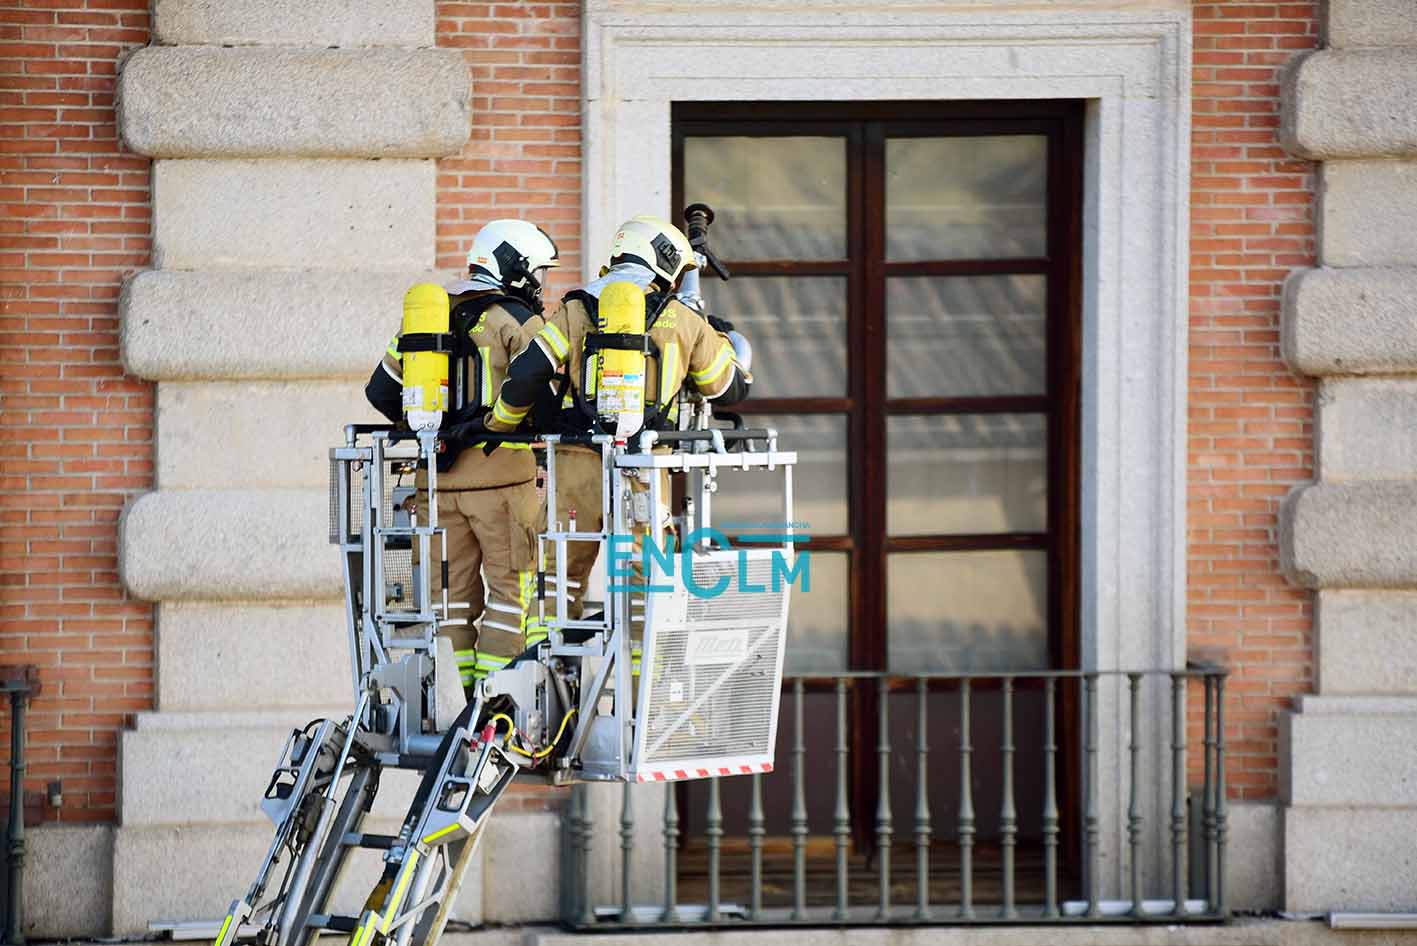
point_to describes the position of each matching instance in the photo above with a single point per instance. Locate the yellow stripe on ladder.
(401, 888)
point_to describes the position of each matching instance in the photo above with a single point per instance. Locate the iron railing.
(19, 684)
(1141, 841)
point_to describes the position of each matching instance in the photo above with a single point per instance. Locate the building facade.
(1093, 323)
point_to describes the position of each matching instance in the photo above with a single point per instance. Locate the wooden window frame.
(866, 126)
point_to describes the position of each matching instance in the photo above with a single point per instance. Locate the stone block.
(293, 214)
(1366, 213)
(1356, 103)
(1254, 855)
(1351, 321)
(294, 22)
(1339, 751)
(215, 656)
(1370, 23)
(1366, 642)
(192, 873)
(229, 545)
(1350, 535)
(248, 102)
(529, 890)
(1350, 859)
(214, 325)
(1367, 429)
(212, 768)
(647, 852)
(68, 880)
(254, 435)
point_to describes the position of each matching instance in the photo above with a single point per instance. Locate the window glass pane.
(967, 474)
(818, 619)
(773, 198)
(818, 479)
(963, 336)
(966, 198)
(963, 611)
(797, 327)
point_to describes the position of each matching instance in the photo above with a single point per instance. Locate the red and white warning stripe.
(675, 775)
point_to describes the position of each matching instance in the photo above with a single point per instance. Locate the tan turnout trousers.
(491, 548)
(487, 502)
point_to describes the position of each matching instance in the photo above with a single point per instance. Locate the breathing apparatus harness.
(597, 345)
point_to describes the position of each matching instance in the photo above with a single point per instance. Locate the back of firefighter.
(487, 499)
(657, 257)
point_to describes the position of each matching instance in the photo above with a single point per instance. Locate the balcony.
(1035, 797)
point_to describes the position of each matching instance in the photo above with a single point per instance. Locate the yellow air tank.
(425, 373)
(620, 381)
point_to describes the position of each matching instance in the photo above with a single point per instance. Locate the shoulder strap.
(466, 313)
(563, 380)
(468, 367)
(591, 303)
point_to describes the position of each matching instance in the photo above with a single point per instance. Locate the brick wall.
(523, 158)
(75, 434)
(1252, 223)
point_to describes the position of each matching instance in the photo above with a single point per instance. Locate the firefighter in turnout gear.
(691, 353)
(487, 498)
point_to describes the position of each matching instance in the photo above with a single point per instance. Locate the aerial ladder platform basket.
(671, 670)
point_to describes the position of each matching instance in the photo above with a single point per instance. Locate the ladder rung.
(375, 842)
(340, 924)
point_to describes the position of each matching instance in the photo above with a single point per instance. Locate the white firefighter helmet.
(657, 244)
(516, 253)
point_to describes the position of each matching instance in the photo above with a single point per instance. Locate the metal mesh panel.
(715, 675)
(355, 500)
(335, 500)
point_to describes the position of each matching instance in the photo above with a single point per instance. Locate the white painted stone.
(213, 656)
(1351, 321)
(1366, 209)
(1370, 23)
(68, 880)
(293, 214)
(229, 545)
(214, 102)
(225, 759)
(1350, 535)
(1366, 642)
(1367, 429)
(294, 22)
(1350, 859)
(1342, 753)
(192, 873)
(254, 435)
(1357, 103)
(218, 325)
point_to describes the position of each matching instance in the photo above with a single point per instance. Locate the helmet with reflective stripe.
(655, 243)
(516, 253)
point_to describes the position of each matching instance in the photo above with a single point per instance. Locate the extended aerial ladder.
(706, 620)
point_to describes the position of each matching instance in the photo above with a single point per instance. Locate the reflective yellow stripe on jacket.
(721, 363)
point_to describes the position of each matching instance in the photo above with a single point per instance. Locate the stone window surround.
(1132, 66)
